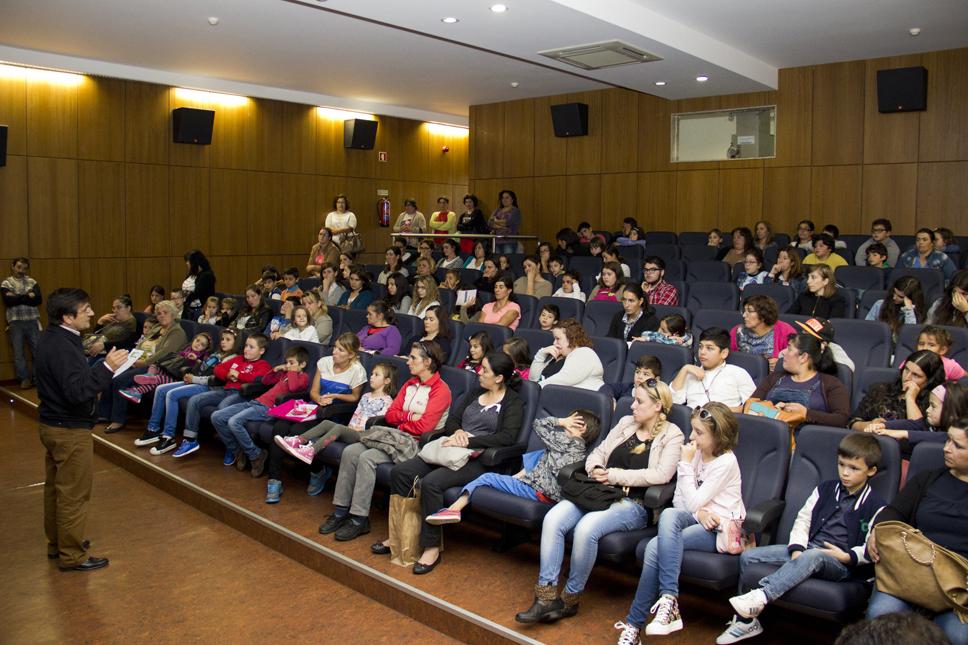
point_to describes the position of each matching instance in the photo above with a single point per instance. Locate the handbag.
(732, 538)
(452, 457)
(405, 522)
(915, 569)
(588, 494)
(295, 410)
(351, 243)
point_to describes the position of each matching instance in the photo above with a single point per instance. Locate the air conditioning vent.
(601, 55)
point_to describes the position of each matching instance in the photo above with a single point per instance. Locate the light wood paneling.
(518, 158)
(52, 206)
(550, 205)
(888, 138)
(838, 113)
(299, 138)
(836, 196)
(620, 130)
(264, 213)
(584, 154)
(944, 126)
(146, 213)
(654, 133)
(890, 191)
(14, 241)
(100, 212)
(53, 273)
(268, 139)
(786, 197)
(942, 195)
(189, 192)
(104, 279)
(13, 113)
(619, 198)
(697, 199)
(142, 273)
(298, 211)
(229, 207)
(100, 119)
(794, 118)
(740, 196)
(51, 119)
(583, 194)
(549, 150)
(656, 197)
(147, 123)
(458, 159)
(489, 141)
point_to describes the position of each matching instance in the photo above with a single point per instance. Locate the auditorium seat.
(567, 307)
(693, 238)
(865, 377)
(598, 316)
(698, 252)
(927, 455)
(612, 352)
(867, 342)
(867, 301)
(781, 294)
(660, 237)
(411, 329)
(860, 279)
(712, 295)
(529, 309)
(673, 357)
(757, 366)
(706, 318)
(707, 271)
(661, 311)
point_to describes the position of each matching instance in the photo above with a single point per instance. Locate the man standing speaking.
(68, 387)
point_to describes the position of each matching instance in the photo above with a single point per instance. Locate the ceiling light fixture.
(499, 8)
(702, 79)
(201, 96)
(515, 84)
(213, 20)
(450, 20)
(338, 114)
(914, 31)
(660, 83)
(447, 129)
(36, 74)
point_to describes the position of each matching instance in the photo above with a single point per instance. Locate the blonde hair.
(167, 304)
(419, 305)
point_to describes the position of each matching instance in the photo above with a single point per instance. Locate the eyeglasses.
(651, 269)
(878, 230)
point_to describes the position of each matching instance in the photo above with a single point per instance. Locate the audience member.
(393, 265)
(753, 269)
(424, 295)
(763, 235)
(532, 283)
(803, 238)
(476, 255)
(502, 310)
(654, 284)
(823, 253)
(877, 256)
(906, 397)
(570, 360)
(570, 286)
(331, 288)
(610, 283)
(410, 221)
(379, 335)
(938, 340)
(155, 295)
(636, 317)
(199, 283)
(821, 297)
(762, 332)
(788, 271)
(904, 307)
(713, 379)
(469, 222)
(741, 244)
(359, 295)
(951, 309)
(117, 329)
(451, 258)
(341, 220)
(506, 220)
(925, 256)
(443, 221)
(479, 345)
(548, 317)
(880, 234)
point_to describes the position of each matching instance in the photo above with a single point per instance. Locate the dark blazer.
(646, 322)
(808, 304)
(508, 423)
(66, 385)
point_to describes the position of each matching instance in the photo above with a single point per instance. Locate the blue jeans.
(503, 483)
(20, 332)
(882, 603)
(678, 531)
(812, 563)
(165, 405)
(229, 422)
(193, 413)
(564, 516)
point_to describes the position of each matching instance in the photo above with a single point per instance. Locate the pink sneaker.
(147, 379)
(444, 516)
(305, 453)
(289, 444)
(131, 395)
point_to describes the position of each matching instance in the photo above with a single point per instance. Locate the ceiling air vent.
(601, 55)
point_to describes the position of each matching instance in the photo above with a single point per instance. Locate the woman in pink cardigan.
(762, 331)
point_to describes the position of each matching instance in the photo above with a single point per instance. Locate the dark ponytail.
(821, 358)
(503, 365)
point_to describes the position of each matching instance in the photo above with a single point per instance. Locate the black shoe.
(86, 544)
(541, 611)
(165, 445)
(420, 569)
(333, 523)
(148, 438)
(353, 529)
(111, 429)
(379, 548)
(90, 564)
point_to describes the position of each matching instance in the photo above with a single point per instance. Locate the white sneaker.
(667, 618)
(750, 604)
(629, 635)
(738, 631)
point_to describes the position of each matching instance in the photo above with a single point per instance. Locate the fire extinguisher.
(383, 211)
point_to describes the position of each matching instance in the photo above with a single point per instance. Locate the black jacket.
(810, 305)
(508, 423)
(204, 288)
(66, 385)
(646, 322)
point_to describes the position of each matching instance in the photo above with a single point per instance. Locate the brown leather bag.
(913, 568)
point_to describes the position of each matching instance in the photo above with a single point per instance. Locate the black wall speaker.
(3, 145)
(190, 125)
(570, 119)
(359, 134)
(904, 89)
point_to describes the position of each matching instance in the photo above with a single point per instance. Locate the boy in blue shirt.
(827, 540)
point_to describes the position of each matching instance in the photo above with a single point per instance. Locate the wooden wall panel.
(147, 123)
(619, 198)
(838, 113)
(836, 196)
(142, 273)
(656, 197)
(51, 119)
(267, 139)
(888, 138)
(583, 194)
(13, 195)
(104, 279)
(942, 195)
(229, 203)
(52, 207)
(100, 119)
(53, 273)
(265, 225)
(584, 154)
(549, 150)
(794, 118)
(100, 209)
(697, 199)
(654, 133)
(13, 113)
(550, 207)
(489, 140)
(518, 158)
(620, 130)
(786, 196)
(890, 191)
(740, 197)
(298, 212)
(146, 213)
(944, 126)
(189, 191)
(299, 138)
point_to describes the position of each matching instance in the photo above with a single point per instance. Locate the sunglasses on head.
(706, 415)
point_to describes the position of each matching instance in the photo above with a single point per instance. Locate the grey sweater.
(562, 450)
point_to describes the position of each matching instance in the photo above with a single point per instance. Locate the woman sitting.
(380, 335)
(708, 494)
(610, 283)
(823, 252)
(394, 265)
(762, 332)
(254, 316)
(947, 403)
(156, 294)
(742, 242)
(933, 502)
(763, 235)
(488, 417)
(437, 328)
(787, 271)
(359, 295)
(476, 259)
(610, 254)
(569, 361)
(925, 256)
(906, 397)
(116, 329)
(532, 283)
(905, 307)
(636, 318)
(398, 296)
(806, 386)
(420, 407)
(319, 315)
(821, 298)
(424, 295)
(641, 451)
(753, 271)
(501, 311)
(323, 251)
(952, 308)
(331, 288)
(803, 238)
(451, 259)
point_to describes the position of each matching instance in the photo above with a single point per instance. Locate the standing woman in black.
(469, 222)
(199, 283)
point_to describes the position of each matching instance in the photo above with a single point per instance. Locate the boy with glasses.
(880, 233)
(659, 291)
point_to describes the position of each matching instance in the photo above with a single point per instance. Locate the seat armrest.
(376, 421)
(497, 456)
(658, 496)
(565, 473)
(764, 515)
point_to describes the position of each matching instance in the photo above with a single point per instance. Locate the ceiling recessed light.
(213, 20)
(914, 31)
(499, 8)
(515, 84)
(660, 83)
(450, 20)
(702, 79)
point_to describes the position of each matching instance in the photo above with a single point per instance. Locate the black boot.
(546, 608)
(569, 603)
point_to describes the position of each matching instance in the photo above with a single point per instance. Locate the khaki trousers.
(67, 490)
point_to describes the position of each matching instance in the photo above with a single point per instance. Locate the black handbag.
(589, 494)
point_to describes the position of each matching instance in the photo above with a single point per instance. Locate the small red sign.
(382, 156)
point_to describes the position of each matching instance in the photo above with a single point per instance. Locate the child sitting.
(566, 442)
(938, 340)
(557, 266)
(307, 445)
(289, 288)
(209, 315)
(168, 370)
(947, 403)
(229, 422)
(451, 280)
(226, 312)
(877, 256)
(647, 367)
(517, 348)
(570, 287)
(549, 317)
(827, 540)
(714, 238)
(672, 331)
(301, 327)
(479, 346)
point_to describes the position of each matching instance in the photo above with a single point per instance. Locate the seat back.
(587, 266)
(632, 254)
(311, 282)
(612, 352)
(531, 394)
(757, 366)
(567, 307)
(661, 311)
(860, 278)
(456, 334)
(660, 237)
(560, 401)
(446, 297)
(350, 320)
(763, 453)
(867, 342)
(706, 318)
(411, 329)
(469, 276)
(682, 289)
(932, 280)
(461, 383)
(315, 351)
(673, 357)
(707, 271)
(696, 252)
(535, 338)
(498, 333)
(692, 238)
(189, 327)
(712, 295)
(214, 332)
(815, 461)
(867, 301)
(927, 455)
(665, 251)
(529, 309)
(865, 377)
(598, 316)
(782, 294)
(907, 343)
(850, 298)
